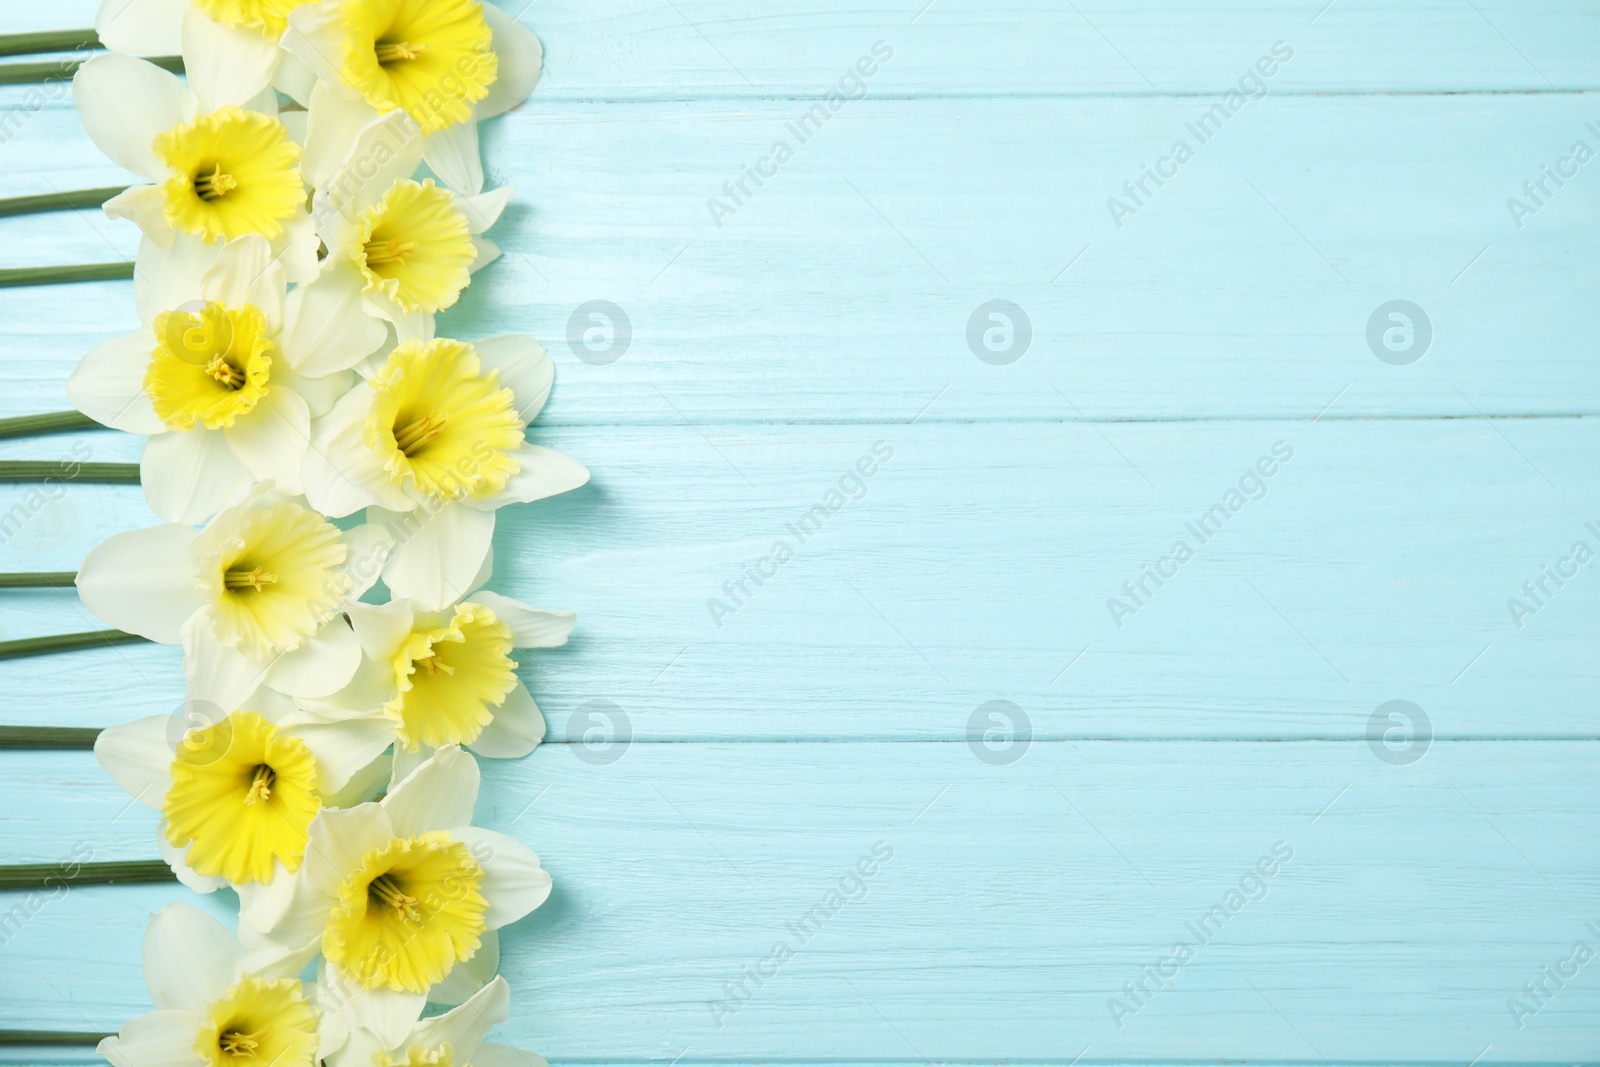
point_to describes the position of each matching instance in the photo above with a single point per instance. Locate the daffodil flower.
(434, 678)
(453, 1039)
(229, 47)
(431, 444)
(403, 897)
(237, 791)
(215, 174)
(209, 1010)
(226, 377)
(256, 597)
(410, 246)
(445, 63)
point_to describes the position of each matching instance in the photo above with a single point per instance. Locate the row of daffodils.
(288, 374)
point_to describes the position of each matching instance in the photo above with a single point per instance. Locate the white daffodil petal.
(483, 210)
(338, 838)
(322, 666)
(543, 472)
(108, 384)
(524, 367)
(334, 118)
(142, 582)
(366, 784)
(174, 857)
(262, 904)
(521, 59)
(145, 207)
(245, 273)
(225, 65)
(342, 475)
(316, 37)
(471, 974)
(453, 154)
(530, 627)
(190, 475)
(156, 1039)
(491, 1054)
(296, 248)
(327, 328)
(464, 1027)
(295, 80)
(138, 755)
(439, 795)
(388, 1013)
(437, 563)
(320, 393)
(189, 958)
(515, 730)
(406, 762)
(370, 547)
(167, 276)
(140, 27)
(216, 673)
(487, 253)
(384, 150)
(123, 104)
(270, 442)
(513, 881)
(381, 628)
(343, 748)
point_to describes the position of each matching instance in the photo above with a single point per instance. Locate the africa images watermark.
(1252, 485)
(1536, 192)
(1252, 85)
(1553, 977)
(1538, 592)
(852, 85)
(50, 490)
(1252, 886)
(850, 488)
(852, 888)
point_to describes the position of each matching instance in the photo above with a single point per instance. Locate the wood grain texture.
(706, 786)
(1017, 901)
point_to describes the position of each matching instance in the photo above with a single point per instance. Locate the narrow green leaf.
(49, 70)
(77, 199)
(64, 738)
(50, 1037)
(72, 873)
(72, 272)
(38, 470)
(27, 44)
(38, 646)
(39, 580)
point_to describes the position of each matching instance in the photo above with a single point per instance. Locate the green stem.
(67, 872)
(39, 470)
(66, 738)
(49, 70)
(73, 272)
(52, 422)
(38, 580)
(27, 44)
(50, 1037)
(78, 198)
(37, 646)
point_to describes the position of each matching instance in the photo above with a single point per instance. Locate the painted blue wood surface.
(834, 707)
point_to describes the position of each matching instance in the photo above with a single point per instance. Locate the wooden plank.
(977, 564)
(1017, 901)
(630, 49)
(844, 289)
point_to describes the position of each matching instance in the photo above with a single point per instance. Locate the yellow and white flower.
(226, 377)
(215, 174)
(432, 444)
(410, 246)
(238, 790)
(229, 47)
(446, 63)
(256, 597)
(403, 897)
(435, 678)
(452, 1039)
(209, 1010)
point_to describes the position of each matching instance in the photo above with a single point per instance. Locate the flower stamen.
(261, 786)
(258, 579)
(383, 253)
(215, 185)
(386, 891)
(225, 372)
(394, 51)
(414, 435)
(237, 1044)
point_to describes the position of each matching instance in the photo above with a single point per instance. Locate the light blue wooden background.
(831, 712)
